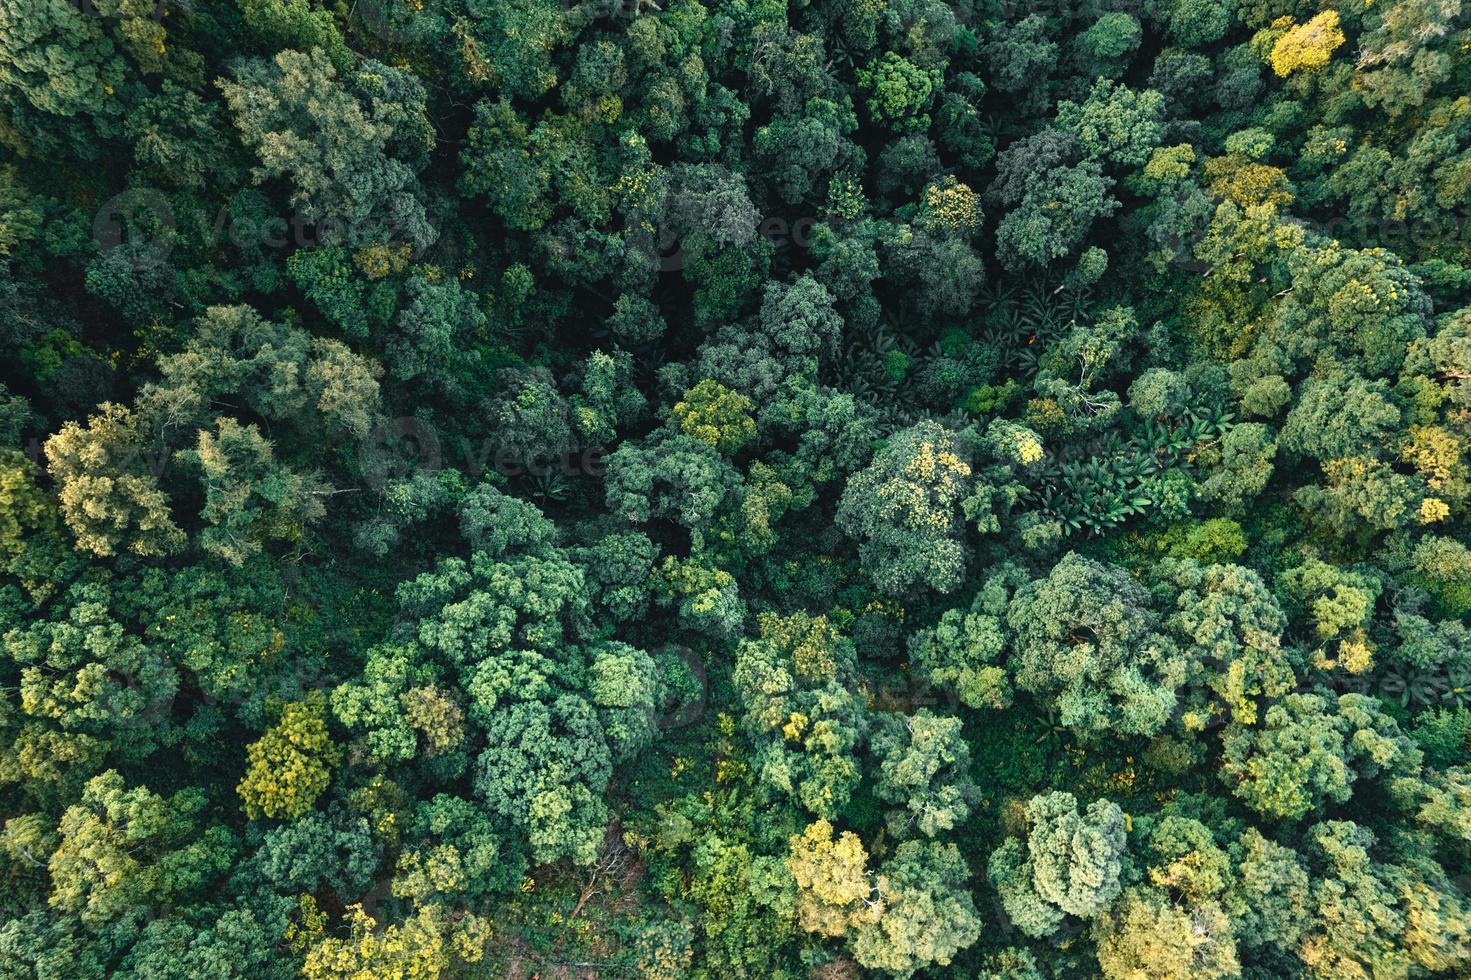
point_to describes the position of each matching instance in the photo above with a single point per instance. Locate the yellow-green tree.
(835, 889)
(1305, 47)
(23, 507)
(711, 412)
(108, 497)
(290, 766)
(425, 946)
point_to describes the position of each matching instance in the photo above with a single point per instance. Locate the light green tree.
(1069, 863)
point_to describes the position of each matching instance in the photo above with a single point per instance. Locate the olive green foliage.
(726, 489)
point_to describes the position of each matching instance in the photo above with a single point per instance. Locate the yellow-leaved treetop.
(290, 766)
(23, 506)
(949, 207)
(713, 413)
(425, 946)
(835, 890)
(108, 496)
(1306, 47)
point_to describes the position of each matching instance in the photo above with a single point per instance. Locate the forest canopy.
(735, 489)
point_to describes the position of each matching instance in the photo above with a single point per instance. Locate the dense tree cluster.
(727, 488)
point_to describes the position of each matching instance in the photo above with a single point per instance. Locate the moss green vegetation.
(716, 489)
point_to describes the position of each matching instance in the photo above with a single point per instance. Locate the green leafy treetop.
(928, 915)
(1069, 863)
(903, 509)
(1088, 639)
(121, 850)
